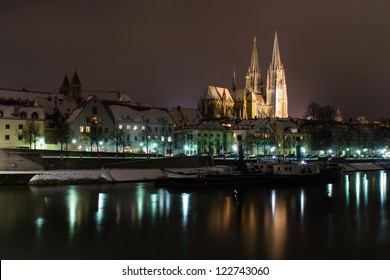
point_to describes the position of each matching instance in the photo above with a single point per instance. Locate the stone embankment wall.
(10, 160)
(19, 160)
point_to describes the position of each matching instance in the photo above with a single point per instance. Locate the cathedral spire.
(276, 62)
(254, 81)
(234, 84)
(277, 100)
(254, 58)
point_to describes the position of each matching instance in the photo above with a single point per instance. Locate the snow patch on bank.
(95, 176)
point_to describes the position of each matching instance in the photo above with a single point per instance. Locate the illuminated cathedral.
(255, 100)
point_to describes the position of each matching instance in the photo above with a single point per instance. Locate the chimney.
(16, 110)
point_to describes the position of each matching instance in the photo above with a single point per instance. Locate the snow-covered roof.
(134, 114)
(49, 101)
(76, 112)
(109, 95)
(219, 93)
(185, 116)
(14, 112)
(284, 124)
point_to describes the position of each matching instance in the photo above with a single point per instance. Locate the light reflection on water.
(346, 219)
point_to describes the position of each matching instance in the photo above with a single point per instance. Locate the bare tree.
(30, 133)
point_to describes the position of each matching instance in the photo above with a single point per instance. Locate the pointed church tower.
(277, 101)
(254, 80)
(75, 86)
(64, 88)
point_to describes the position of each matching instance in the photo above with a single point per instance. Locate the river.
(345, 219)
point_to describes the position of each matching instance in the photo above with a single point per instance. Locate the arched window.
(34, 115)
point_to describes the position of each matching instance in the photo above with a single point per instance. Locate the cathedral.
(256, 100)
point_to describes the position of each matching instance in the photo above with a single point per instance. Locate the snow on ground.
(95, 176)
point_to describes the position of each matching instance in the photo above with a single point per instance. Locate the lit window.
(81, 128)
(87, 129)
(135, 127)
(143, 127)
(94, 120)
(169, 138)
(81, 139)
(128, 127)
(162, 138)
(120, 126)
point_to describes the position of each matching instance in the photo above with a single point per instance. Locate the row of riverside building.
(76, 119)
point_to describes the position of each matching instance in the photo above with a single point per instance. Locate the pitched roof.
(76, 112)
(139, 114)
(75, 79)
(65, 82)
(219, 93)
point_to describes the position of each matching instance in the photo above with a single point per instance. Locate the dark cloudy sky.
(335, 52)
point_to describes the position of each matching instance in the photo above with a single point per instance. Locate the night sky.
(167, 52)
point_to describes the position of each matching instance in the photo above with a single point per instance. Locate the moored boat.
(262, 172)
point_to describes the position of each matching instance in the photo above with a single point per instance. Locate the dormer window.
(34, 115)
(23, 115)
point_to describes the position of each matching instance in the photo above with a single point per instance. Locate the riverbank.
(108, 175)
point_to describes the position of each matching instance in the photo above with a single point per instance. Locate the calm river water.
(346, 219)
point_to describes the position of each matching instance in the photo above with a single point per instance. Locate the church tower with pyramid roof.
(75, 86)
(71, 89)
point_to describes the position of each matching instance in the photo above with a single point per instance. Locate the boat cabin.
(296, 169)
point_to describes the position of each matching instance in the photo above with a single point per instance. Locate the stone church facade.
(256, 100)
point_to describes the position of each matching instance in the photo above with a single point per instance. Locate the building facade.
(22, 125)
(142, 129)
(90, 126)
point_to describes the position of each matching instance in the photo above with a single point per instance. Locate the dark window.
(106, 129)
(88, 120)
(7, 137)
(135, 138)
(34, 115)
(23, 115)
(94, 110)
(100, 129)
(7, 126)
(20, 137)
(20, 126)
